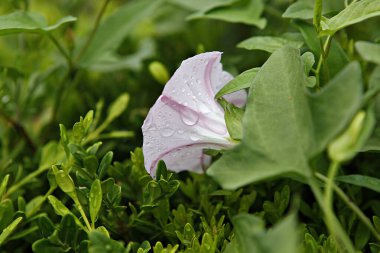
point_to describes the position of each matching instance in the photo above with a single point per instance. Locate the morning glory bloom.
(186, 119)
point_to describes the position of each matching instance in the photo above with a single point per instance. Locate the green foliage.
(303, 176)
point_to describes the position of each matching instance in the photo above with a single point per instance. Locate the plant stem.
(81, 211)
(94, 30)
(331, 220)
(328, 194)
(61, 50)
(351, 205)
(323, 59)
(20, 129)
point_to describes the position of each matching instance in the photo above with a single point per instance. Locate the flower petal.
(238, 98)
(186, 118)
(167, 137)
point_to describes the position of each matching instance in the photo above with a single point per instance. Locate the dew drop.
(189, 116)
(167, 132)
(194, 136)
(180, 131)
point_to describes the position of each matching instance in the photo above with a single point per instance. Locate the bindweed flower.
(186, 119)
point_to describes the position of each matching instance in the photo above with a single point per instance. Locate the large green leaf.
(354, 13)
(115, 28)
(243, 11)
(284, 126)
(276, 126)
(369, 51)
(344, 94)
(251, 235)
(26, 22)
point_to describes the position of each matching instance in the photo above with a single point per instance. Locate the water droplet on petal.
(194, 136)
(167, 132)
(189, 116)
(180, 131)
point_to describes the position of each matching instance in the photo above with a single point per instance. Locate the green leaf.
(46, 226)
(61, 209)
(91, 163)
(9, 229)
(242, 81)
(354, 13)
(100, 243)
(26, 22)
(251, 235)
(243, 11)
(329, 123)
(233, 116)
(3, 186)
(117, 107)
(268, 43)
(284, 126)
(105, 163)
(308, 62)
(368, 51)
(362, 181)
(300, 10)
(95, 199)
(33, 205)
(362, 236)
(115, 28)
(67, 230)
(65, 182)
(276, 126)
(46, 246)
(6, 213)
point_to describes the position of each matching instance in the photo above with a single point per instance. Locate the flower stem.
(323, 60)
(331, 220)
(351, 205)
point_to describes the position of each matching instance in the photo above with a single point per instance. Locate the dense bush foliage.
(77, 79)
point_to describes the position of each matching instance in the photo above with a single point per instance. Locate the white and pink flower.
(186, 119)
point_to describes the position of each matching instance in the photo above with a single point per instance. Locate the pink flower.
(186, 119)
